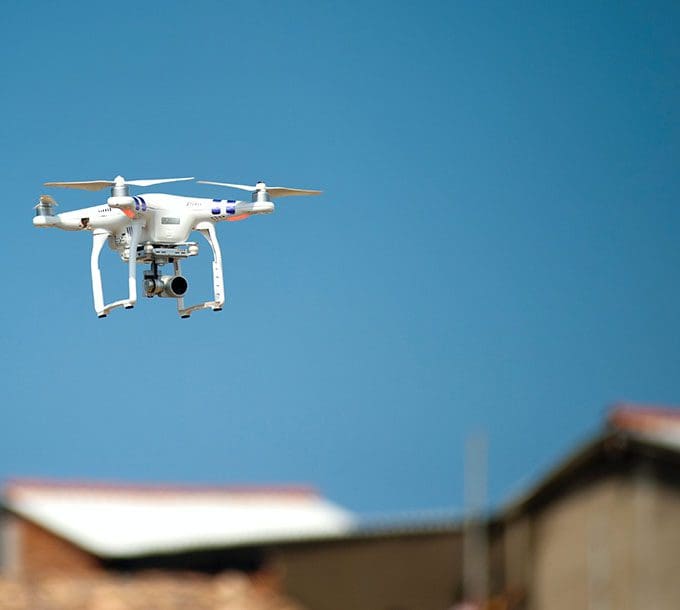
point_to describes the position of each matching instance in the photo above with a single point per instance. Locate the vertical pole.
(475, 538)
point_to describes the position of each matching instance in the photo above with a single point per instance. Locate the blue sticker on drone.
(216, 210)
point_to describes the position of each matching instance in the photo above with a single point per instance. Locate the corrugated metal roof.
(126, 521)
(415, 522)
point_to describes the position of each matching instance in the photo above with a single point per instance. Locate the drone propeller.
(261, 187)
(118, 181)
(46, 201)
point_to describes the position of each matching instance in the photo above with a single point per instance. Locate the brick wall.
(38, 552)
(156, 591)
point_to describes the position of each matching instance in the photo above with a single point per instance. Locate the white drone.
(154, 228)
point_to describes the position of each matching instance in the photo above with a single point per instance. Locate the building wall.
(7, 542)
(604, 542)
(35, 551)
(383, 573)
(582, 549)
(517, 556)
(656, 538)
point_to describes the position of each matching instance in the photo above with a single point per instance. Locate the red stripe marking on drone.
(129, 213)
(239, 217)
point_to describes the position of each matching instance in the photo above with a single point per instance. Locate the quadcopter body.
(153, 229)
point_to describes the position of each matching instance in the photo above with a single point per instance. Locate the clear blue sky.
(497, 247)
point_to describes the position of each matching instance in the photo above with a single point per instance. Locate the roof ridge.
(631, 417)
(645, 408)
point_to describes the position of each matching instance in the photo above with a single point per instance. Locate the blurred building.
(292, 539)
(89, 527)
(602, 530)
(599, 531)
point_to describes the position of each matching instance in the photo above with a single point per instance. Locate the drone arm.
(207, 229)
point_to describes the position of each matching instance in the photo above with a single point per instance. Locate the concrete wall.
(517, 556)
(656, 539)
(608, 542)
(407, 572)
(582, 549)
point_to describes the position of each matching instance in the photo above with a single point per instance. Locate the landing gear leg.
(99, 238)
(207, 229)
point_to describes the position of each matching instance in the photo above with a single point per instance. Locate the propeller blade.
(243, 187)
(282, 191)
(274, 191)
(156, 181)
(90, 185)
(98, 185)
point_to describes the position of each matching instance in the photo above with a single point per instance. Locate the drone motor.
(44, 212)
